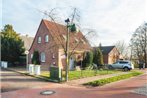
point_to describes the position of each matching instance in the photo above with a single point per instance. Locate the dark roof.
(27, 41)
(59, 31)
(105, 49)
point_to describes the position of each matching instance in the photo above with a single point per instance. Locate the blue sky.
(112, 19)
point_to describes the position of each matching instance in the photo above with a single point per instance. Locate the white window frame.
(76, 40)
(83, 41)
(31, 56)
(46, 38)
(39, 39)
(43, 57)
(64, 36)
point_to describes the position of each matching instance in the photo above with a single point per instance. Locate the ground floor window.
(42, 57)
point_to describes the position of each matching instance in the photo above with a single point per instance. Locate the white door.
(71, 64)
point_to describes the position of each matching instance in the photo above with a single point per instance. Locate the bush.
(35, 59)
(112, 79)
(98, 57)
(88, 60)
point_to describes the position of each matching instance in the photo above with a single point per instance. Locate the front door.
(71, 64)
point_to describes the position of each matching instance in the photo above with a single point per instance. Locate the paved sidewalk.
(11, 81)
(142, 90)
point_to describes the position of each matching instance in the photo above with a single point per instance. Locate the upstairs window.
(83, 41)
(46, 38)
(39, 39)
(76, 40)
(42, 57)
(64, 37)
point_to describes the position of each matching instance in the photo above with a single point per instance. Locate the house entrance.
(71, 63)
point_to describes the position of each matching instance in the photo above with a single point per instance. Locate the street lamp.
(70, 28)
(66, 51)
(27, 52)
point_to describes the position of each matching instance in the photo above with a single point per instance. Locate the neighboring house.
(27, 44)
(110, 54)
(27, 41)
(50, 41)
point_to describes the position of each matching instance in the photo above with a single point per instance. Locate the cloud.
(119, 21)
(112, 19)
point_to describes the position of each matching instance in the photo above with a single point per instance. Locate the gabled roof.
(59, 31)
(27, 41)
(106, 49)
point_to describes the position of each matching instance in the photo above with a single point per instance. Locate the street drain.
(47, 92)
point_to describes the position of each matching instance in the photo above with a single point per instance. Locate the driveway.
(121, 89)
(11, 81)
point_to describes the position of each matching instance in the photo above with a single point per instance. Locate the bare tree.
(139, 43)
(75, 20)
(122, 48)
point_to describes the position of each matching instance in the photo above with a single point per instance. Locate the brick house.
(50, 41)
(110, 54)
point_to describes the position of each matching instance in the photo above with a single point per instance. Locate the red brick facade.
(54, 54)
(111, 57)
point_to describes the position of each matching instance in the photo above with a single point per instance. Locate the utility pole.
(70, 28)
(67, 49)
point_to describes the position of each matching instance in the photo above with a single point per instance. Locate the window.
(76, 40)
(39, 39)
(64, 37)
(123, 62)
(53, 56)
(42, 57)
(83, 41)
(31, 56)
(46, 38)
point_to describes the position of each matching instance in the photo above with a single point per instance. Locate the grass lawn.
(113, 79)
(45, 74)
(89, 73)
(81, 74)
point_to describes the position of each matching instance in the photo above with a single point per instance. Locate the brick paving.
(142, 90)
(121, 89)
(11, 81)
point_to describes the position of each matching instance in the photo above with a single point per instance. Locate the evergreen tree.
(35, 59)
(12, 47)
(98, 57)
(88, 60)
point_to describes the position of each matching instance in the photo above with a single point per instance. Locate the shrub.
(88, 60)
(98, 57)
(35, 59)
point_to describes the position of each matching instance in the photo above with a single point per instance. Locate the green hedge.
(112, 79)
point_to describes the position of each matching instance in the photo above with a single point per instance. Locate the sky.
(112, 20)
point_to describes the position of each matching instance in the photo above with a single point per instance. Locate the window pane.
(39, 39)
(42, 57)
(46, 38)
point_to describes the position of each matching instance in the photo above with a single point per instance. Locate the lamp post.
(27, 52)
(70, 28)
(67, 49)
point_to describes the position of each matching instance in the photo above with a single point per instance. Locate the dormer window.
(83, 41)
(76, 40)
(64, 37)
(39, 39)
(46, 38)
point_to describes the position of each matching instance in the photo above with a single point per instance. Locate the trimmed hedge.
(112, 79)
